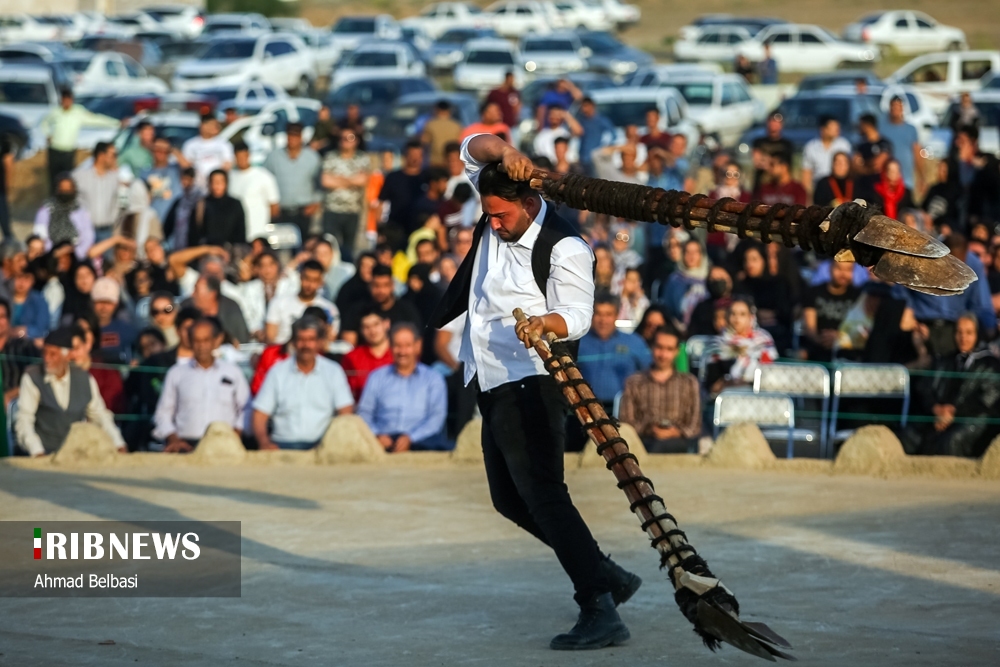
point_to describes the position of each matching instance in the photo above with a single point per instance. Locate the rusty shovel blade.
(727, 627)
(884, 232)
(941, 275)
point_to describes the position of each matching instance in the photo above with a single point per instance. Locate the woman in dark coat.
(218, 219)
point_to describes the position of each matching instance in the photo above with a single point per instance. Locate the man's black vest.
(456, 300)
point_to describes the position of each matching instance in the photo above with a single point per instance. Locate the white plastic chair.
(867, 381)
(763, 409)
(798, 380)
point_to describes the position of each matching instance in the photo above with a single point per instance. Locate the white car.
(28, 92)
(721, 104)
(484, 64)
(276, 58)
(441, 17)
(350, 31)
(628, 106)
(809, 48)
(290, 24)
(110, 73)
(916, 109)
(557, 53)
(988, 104)
(243, 24)
(720, 43)
(129, 24)
(906, 32)
(661, 75)
(621, 14)
(381, 59)
(584, 15)
(517, 18)
(941, 75)
(184, 20)
(324, 50)
(24, 28)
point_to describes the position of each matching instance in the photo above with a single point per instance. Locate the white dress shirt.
(301, 405)
(27, 410)
(257, 189)
(818, 159)
(193, 397)
(502, 280)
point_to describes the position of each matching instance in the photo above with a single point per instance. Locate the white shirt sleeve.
(98, 413)
(342, 396)
(266, 400)
(270, 183)
(27, 409)
(242, 397)
(570, 288)
(166, 407)
(472, 166)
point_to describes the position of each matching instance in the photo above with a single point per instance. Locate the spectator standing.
(561, 94)
(178, 223)
(345, 175)
(405, 403)
(818, 153)
(16, 353)
(767, 68)
(285, 309)
(439, 131)
(837, 187)
(62, 127)
(6, 182)
(735, 355)
(685, 288)
(824, 308)
(55, 395)
(973, 181)
(354, 122)
(772, 143)
(163, 177)
(401, 190)
(781, 188)
(219, 219)
(116, 336)
(382, 296)
(257, 190)
(373, 350)
(603, 160)
(97, 189)
(301, 394)
(208, 151)
(296, 168)
(874, 150)
(559, 123)
(597, 131)
(200, 391)
(31, 313)
(138, 153)
(662, 403)
(654, 136)
(63, 219)
(490, 122)
(508, 100)
(608, 356)
(905, 144)
(207, 297)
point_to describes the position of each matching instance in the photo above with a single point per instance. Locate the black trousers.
(59, 161)
(523, 444)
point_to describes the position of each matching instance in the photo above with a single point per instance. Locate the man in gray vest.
(56, 395)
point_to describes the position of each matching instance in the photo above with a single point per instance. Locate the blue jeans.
(103, 233)
(296, 445)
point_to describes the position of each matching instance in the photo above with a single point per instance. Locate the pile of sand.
(349, 440)
(469, 446)
(220, 444)
(741, 445)
(872, 450)
(589, 458)
(86, 444)
(989, 465)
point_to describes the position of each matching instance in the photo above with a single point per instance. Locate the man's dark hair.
(311, 265)
(443, 105)
(381, 248)
(437, 174)
(239, 147)
(452, 147)
(366, 255)
(412, 144)
(101, 147)
(373, 310)
(561, 140)
(587, 100)
(154, 332)
(780, 157)
(189, 172)
(65, 92)
(213, 284)
(188, 314)
(654, 110)
(218, 171)
(484, 105)
(970, 131)
(868, 119)
(423, 242)
(380, 271)
(142, 125)
(956, 243)
(267, 253)
(824, 121)
(462, 192)
(607, 299)
(307, 322)
(317, 312)
(665, 331)
(495, 183)
(896, 98)
(211, 321)
(207, 118)
(405, 326)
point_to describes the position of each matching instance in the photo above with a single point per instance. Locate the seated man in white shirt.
(301, 394)
(284, 309)
(56, 395)
(199, 391)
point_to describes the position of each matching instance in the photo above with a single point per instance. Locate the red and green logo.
(38, 543)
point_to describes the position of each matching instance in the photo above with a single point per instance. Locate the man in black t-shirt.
(874, 151)
(403, 188)
(824, 308)
(772, 143)
(382, 297)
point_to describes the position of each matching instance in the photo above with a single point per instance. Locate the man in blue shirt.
(405, 403)
(905, 142)
(767, 68)
(608, 356)
(562, 94)
(598, 131)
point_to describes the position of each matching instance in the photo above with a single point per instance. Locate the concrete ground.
(409, 565)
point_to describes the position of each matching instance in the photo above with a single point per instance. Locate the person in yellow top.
(62, 126)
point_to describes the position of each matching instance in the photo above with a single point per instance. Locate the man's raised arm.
(487, 148)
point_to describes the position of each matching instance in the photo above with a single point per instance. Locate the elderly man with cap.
(56, 395)
(296, 168)
(117, 335)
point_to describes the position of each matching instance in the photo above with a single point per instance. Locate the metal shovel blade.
(762, 631)
(947, 273)
(728, 628)
(884, 232)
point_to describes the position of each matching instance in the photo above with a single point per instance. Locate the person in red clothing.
(373, 354)
(109, 380)
(780, 187)
(508, 99)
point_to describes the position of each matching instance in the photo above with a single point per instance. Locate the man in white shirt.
(257, 190)
(284, 309)
(208, 151)
(524, 411)
(817, 156)
(560, 124)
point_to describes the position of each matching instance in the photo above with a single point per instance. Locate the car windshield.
(991, 81)
(536, 45)
(349, 26)
(456, 36)
(490, 58)
(626, 113)
(696, 93)
(23, 92)
(77, 65)
(827, 81)
(399, 123)
(174, 50)
(223, 26)
(871, 18)
(230, 50)
(371, 59)
(806, 113)
(366, 92)
(600, 42)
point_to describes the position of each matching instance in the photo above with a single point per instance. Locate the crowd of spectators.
(159, 283)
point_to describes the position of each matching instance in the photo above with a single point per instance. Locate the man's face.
(295, 140)
(414, 157)
(405, 350)
(426, 253)
(562, 147)
(154, 252)
(109, 159)
(218, 185)
(463, 243)
(55, 359)
(209, 128)
(311, 282)
(841, 274)
(381, 289)
(149, 345)
(184, 333)
(555, 117)
(652, 119)
(186, 182)
(105, 310)
(664, 351)
(678, 145)
(374, 330)
(146, 135)
(66, 101)
(965, 335)
(267, 269)
(966, 148)
(588, 109)
(23, 282)
(896, 110)
(831, 130)
(243, 159)
(161, 151)
(603, 323)
(306, 346)
(510, 219)
(323, 253)
(203, 343)
(491, 114)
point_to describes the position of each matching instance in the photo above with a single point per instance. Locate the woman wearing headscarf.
(685, 287)
(77, 285)
(890, 190)
(62, 219)
(838, 187)
(728, 186)
(744, 346)
(770, 294)
(219, 219)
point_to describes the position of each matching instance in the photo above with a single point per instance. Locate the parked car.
(609, 55)
(584, 15)
(720, 104)
(24, 28)
(241, 24)
(628, 106)
(717, 43)
(446, 51)
(129, 24)
(51, 54)
(484, 64)
(660, 75)
(441, 17)
(517, 18)
(252, 90)
(127, 106)
(418, 39)
(111, 73)
(280, 59)
(324, 50)
(27, 91)
(290, 24)
(147, 54)
(14, 134)
(620, 14)
(175, 53)
(558, 52)
(69, 29)
(941, 75)
(905, 31)
(375, 97)
(809, 48)
(390, 59)
(753, 24)
(406, 117)
(350, 31)
(186, 20)
(988, 104)
(839, 78)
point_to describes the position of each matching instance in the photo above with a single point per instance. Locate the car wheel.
(303, 89)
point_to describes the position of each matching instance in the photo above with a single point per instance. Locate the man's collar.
(530, 235)
(51, 377)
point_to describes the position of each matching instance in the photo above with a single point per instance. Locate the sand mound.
(86, 444)
(220, 444)
(469, 446)
(872, 450)
(349, 440)
(741, 445)
(589, 458)
(989, 465)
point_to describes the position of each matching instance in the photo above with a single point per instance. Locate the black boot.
(623, 583)
(598, 626)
